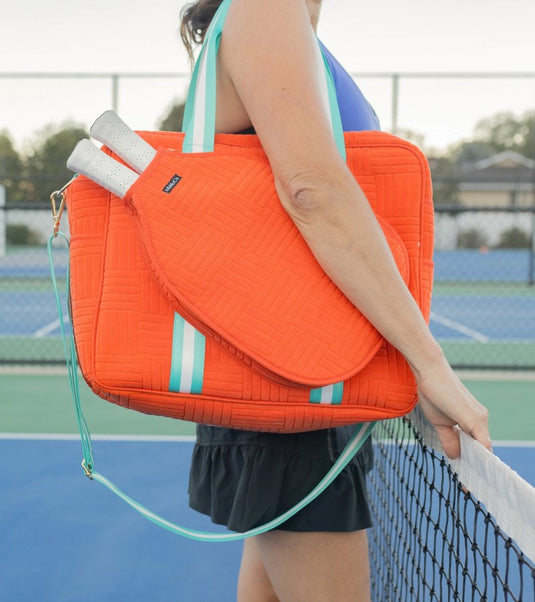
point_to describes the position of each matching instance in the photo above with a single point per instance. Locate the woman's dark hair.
(195, 18)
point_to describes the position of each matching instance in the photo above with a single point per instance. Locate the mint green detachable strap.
(362, 431)
(70, 357)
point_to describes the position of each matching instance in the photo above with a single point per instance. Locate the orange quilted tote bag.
(195, 296)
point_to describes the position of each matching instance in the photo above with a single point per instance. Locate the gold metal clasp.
(57, 210)
(87, 470)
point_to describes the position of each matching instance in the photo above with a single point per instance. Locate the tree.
(492, 135)
(45, 165)
(505, 131)
(172, 121)
(514, 238)
(22, 234)
(500, 132)
(445, 181)
(470, 151)
(413, 136)
(10, 168)
(471, 238)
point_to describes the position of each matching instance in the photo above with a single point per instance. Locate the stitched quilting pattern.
(133, 265)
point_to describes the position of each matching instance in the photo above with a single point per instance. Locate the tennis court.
(64, 537)
(483, 309)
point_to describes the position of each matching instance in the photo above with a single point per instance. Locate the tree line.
(31, 175)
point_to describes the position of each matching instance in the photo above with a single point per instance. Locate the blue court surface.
(489, 302)
(65, 538)
(454, 317)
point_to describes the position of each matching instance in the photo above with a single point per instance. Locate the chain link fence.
(483, 310)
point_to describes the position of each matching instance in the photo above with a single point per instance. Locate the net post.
(531, 263)
(395, 103)
(531, 267)
(3, 220)
(115, 92)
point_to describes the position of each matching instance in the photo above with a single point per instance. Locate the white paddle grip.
(112, 131)
(88, 160)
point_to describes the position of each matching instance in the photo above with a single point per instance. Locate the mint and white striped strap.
(362, 432)
(330, 394)
(187, 363)
(187, 359)
(199, 128)
(199, 113)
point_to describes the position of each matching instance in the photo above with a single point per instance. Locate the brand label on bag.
(172, 183)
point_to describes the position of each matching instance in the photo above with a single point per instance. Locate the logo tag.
(172, 183)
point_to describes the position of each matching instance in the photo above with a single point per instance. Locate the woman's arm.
(267, 59)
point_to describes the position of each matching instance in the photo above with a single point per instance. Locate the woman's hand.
(446, 402)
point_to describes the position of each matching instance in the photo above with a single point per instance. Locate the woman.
(268, 81)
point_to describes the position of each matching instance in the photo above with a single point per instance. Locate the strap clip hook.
(87, 469)
(57, 210)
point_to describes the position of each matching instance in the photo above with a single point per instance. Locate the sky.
(367, 37)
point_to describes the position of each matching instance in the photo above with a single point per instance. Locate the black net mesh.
(431, 539)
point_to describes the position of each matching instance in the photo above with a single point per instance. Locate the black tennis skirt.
(244, 479)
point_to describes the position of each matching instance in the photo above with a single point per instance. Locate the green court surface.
(505, 355)
(40, 403)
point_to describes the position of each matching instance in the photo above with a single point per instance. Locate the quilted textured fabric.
(218, 249)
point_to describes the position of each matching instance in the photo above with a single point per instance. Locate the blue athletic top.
(356, 112)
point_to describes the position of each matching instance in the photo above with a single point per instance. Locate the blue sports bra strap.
(199, 112)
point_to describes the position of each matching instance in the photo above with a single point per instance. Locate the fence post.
(3, 221)
(395, 103)
(531, 266)
(115, 92)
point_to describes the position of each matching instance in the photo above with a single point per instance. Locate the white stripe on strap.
(329, 394)
(187, 359)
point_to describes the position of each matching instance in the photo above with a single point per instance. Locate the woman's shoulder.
(356, 111)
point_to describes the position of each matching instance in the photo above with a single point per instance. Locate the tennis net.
(447, 530)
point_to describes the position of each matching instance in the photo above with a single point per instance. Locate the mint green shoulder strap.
(199, 113)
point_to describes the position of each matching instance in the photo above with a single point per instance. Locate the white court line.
(39, 334)
(171, 438)
(494, 375)
(513, 443)
(469, 332)
(73, 437)
(505, 375)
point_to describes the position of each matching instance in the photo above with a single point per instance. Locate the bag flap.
(227, 256)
